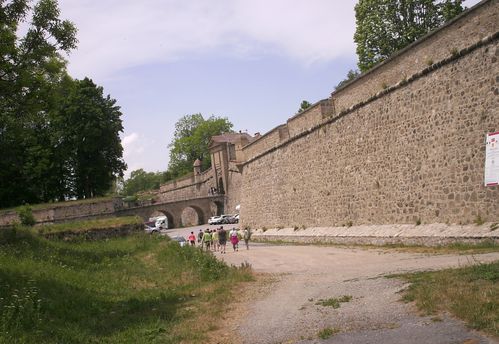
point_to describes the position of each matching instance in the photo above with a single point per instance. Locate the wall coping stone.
(436, 234)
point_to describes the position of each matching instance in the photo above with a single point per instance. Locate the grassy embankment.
(470, 293)
(87, 225)
(138, 289)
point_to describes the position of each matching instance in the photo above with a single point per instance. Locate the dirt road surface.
(286, 311)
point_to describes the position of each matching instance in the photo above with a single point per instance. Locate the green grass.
(470, 293)
(334, 302)
(83, 226)
(138, 289)
(327, 332)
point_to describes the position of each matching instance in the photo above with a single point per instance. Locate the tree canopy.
(352, 74)
(191, 139)
(45, 114)
(141, 180)
(386, 26)
(304, 106)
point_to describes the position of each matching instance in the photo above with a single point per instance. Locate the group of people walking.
(216, 239)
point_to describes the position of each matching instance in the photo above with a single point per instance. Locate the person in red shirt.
(192, 239)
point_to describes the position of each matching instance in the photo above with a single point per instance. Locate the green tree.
(141, 180)
(90, 124)
(30, 71)
(386, 26)
(191, 139)
(352, 74)
(304, 106)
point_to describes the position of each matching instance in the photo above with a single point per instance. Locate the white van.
(160, 222)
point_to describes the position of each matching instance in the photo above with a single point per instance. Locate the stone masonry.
(407, 148)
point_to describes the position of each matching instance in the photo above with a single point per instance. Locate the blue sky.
(252, 61)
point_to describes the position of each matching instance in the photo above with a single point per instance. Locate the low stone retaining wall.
(423, 235)
(96, 234)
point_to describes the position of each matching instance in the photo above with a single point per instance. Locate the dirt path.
(286, 311)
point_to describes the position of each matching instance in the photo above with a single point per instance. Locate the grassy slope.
(139, 289)
(470, 293)
(85, 225)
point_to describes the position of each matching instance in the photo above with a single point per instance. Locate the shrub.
(26, 215)
(130, 199)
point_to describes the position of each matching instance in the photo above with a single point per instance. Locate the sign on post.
(492, 159)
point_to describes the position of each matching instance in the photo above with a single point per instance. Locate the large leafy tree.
(385, 26)
(191, 139)
(31, 70)
(90, 124)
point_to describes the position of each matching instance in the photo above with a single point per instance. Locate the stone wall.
(472, 26)
(186, 188)
(413, 152)
(309, 118)
(265, 142)
(66, 212)
(234, 186)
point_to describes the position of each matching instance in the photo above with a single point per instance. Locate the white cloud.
(127, 143)
(118, 34)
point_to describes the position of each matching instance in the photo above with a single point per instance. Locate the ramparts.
(403, 143)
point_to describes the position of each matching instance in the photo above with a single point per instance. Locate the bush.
(26, 215)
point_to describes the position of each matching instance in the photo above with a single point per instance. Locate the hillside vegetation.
(138, 289)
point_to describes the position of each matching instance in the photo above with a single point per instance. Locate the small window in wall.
(232, 152)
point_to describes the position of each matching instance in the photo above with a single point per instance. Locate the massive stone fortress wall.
(409, 150)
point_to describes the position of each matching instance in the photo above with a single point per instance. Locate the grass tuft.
(327, 332)
(334, 302)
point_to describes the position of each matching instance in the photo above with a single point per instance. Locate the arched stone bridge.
(203, 206)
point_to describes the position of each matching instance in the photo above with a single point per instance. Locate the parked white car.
(215, 220)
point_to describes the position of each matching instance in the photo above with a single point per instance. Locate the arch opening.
(192, 216)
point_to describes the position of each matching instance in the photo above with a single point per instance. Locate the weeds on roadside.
(327, 332)
(470, 293)
(334, 302)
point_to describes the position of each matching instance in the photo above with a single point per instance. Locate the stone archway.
(192, 216)
(171, 222)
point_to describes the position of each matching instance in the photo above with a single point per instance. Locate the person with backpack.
(246, 237)
(200, 238)
(215, 239)
(222, 239)
(207, 239)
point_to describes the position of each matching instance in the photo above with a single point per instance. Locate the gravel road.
(286, 311)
